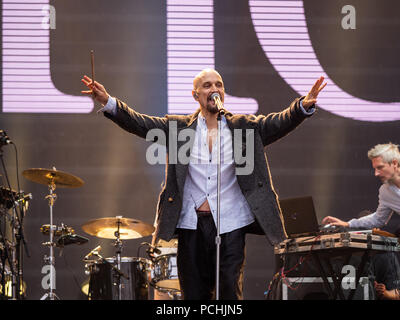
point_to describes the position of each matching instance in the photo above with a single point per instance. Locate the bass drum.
(102, 280)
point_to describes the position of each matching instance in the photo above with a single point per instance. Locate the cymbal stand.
(50, 295)
(118, 246)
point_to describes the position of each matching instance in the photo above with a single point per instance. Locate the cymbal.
(47, 176)
(128, 228)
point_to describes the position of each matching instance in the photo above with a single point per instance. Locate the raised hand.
(312, 95)
(97, 90)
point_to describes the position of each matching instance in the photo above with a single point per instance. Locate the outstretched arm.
(127, 118)
(276, 125)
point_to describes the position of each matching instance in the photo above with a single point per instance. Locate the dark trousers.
(197, 261)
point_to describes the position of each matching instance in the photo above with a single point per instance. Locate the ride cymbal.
(107, 227)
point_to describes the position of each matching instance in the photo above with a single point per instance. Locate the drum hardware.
(151, 250)
(6, 267)
(68, 239)
(173, 243)
(95, 252)
(90, 268)
(167, 294)
(57, 231)
(6, 284)
(11, 254)
(118, 247)
(13, 200)
(52, 178)
(9, 197)
(66, 235)
(18, 202)
(164, 278)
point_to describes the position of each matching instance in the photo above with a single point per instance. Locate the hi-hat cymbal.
(128, 228)
(48, 176)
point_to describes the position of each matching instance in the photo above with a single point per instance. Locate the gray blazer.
(256, 187)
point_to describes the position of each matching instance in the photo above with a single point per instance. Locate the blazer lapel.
(182, 168)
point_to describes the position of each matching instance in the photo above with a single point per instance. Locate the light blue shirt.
(201, 182)
(389, 202)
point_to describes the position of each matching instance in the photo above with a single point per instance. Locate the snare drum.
(103, 281)
(165, 273)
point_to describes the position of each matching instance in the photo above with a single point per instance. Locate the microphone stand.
(218, 237)
(19, 238)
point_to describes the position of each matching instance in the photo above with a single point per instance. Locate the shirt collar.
(201, 120)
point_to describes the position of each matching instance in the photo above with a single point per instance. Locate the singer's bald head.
(200, 76)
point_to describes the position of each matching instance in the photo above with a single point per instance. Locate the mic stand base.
(50, 296)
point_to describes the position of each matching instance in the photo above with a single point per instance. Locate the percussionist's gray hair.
(387, 151)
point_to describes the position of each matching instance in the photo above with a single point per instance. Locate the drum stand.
(50, 295)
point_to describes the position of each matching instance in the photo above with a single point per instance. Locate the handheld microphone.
(95, 251)
(217, 99)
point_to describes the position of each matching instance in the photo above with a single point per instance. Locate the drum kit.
(129, 278)
(111, 278)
